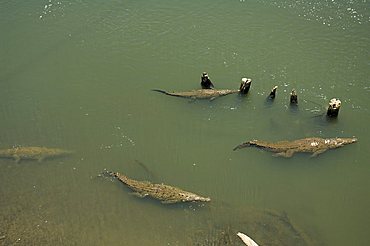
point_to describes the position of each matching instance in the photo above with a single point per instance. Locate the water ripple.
(343, 14)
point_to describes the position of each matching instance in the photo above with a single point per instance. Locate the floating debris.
(247, 240)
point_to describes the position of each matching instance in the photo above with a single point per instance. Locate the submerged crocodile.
(209, 93)
(32, 153)
(265, 226)
(313, 145)
(165, 193)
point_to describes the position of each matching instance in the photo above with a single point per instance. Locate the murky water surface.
(78, 75)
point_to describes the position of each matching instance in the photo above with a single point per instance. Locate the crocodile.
(265, 226)
(32, 153)
(312, 145)
(165, 193)
(209, 93)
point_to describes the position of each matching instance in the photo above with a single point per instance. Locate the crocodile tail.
(161, 91)
(174, 94)
(243, 145)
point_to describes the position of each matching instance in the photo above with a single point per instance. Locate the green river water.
(78, 75)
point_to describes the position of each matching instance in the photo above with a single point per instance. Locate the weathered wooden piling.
(293, 97)
(273, 92)
(205, 81)
(245, 85)
(334, 106)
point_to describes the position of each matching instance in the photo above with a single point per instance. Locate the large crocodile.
(209, 93)
(32, 153)
(164, 193)
(313, 145)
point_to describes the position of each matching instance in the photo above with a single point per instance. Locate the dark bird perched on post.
(205, 82)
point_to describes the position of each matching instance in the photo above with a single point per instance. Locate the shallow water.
(78, 75)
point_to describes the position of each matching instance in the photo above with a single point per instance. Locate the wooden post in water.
(245, 85)
(334, 106)
(293, 97)
(273, 92)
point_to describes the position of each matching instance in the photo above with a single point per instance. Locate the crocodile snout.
(344, 141)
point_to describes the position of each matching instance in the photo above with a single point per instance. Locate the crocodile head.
(338, 142)
(188, 196)
(201, 199)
